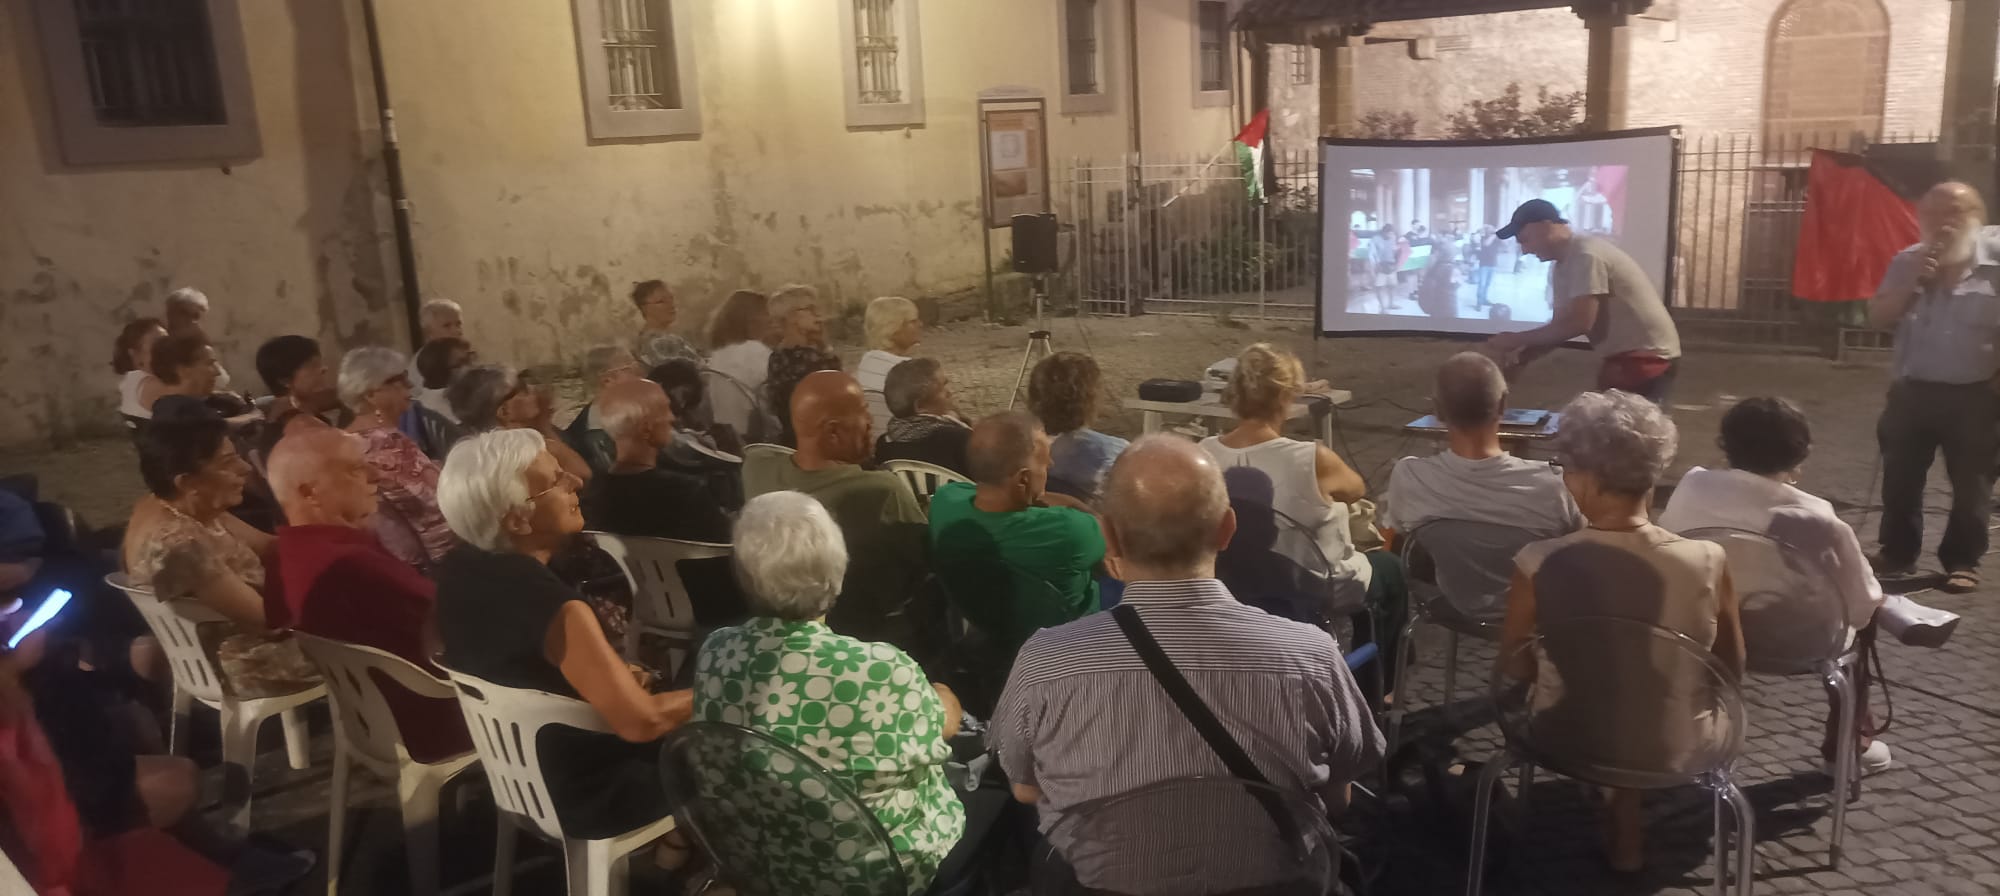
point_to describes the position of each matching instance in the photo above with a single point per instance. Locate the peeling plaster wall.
(288, 242)
(536, 229)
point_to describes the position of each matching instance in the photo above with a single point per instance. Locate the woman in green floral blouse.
(864, 710)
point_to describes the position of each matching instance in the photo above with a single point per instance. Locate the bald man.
(885, 527)
(634, 495)
(1942, 296)
(1474, 478)
(340, 583)
(1083, 717)
(1014, 556)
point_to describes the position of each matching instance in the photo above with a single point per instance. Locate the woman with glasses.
(503, 616)
(490, 396)
(658, 343)
(375, 385)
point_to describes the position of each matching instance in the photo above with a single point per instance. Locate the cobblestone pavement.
(1927, 826)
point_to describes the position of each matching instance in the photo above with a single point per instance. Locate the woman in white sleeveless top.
(132, 360)
(1307, 481)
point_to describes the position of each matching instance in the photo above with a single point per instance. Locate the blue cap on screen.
(1530, 212)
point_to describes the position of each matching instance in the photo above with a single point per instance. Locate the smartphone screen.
(47, 611)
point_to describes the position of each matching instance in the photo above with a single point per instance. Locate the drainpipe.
(392, 166)
(1133, 143)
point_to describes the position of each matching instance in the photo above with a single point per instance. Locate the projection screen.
(1408, 226)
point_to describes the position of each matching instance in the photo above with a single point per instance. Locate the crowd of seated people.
(844, 575)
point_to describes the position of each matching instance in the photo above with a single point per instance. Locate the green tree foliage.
(1504, 116)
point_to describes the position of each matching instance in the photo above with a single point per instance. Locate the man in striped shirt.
(1082, 718)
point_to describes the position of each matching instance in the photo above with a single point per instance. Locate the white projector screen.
(1406, 226)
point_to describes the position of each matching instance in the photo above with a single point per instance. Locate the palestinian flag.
(1249, 148)
(1860, 211)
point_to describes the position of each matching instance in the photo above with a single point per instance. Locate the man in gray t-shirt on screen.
(1599, 292)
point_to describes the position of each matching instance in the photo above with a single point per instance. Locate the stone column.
(1475, 210)
(1965, 132)
(1406, 199)
(1424, 214)
(1337, 114)
(1609, 66)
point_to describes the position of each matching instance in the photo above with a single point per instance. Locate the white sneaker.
(1874, 760)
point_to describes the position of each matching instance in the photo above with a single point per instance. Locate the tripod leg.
(1027, 361)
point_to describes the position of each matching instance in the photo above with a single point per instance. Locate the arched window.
(1827, 73)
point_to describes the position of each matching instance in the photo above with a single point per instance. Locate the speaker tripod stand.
(1039, 344)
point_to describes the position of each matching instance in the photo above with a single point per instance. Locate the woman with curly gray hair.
(374, 383)
(1614, 447)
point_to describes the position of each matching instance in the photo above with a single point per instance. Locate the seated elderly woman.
(1766, 441)
(490, 396)
(182, 543)
(190, 373)
(1304, 481)
(864, 710)
(924, 423)
(1614, 447)
(503, 616)
(132, 360)
(795, 314)
(375, 385)
(789, 366)
(893, 329)
(1064, 391)
(657, 342)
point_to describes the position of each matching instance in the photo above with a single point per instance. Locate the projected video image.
(1421, 241)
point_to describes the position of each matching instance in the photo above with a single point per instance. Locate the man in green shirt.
(876, 511)
(1015, 557)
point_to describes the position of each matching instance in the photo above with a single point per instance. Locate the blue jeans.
(1485, 280)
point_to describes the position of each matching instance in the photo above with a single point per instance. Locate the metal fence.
(1180, 236)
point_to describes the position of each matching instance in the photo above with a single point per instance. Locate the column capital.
(1617, 13)
(1329, 34)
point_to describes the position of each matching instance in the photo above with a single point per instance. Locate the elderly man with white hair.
(505, 617)
(1084, 717)
(865, 711)
(185, 308)
(1942, 297)
(635, 495)
(603, 366)
(375, 387)
(439, 319)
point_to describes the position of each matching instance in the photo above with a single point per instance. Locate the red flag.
(1853, 225)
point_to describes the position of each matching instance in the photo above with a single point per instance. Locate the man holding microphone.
(1942, 296)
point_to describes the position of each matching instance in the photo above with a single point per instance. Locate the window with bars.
(639, 55)
(149, 63)
(141, 81)
(1212, 26)
(881, 62)
(1302, 64)
(1081, 44)
(875, 52)
(638, 69)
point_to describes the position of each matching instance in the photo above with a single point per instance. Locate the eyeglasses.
(563, 478)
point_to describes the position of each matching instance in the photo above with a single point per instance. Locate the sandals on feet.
(1962, 581)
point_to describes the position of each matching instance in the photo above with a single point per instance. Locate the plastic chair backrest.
(174, 624)
(878, 409)
(1468, 564)
(506, 724)
(766, 449)
(661, 599)
(730, 401)
(923, 478)
(359, 707)
(1275, 563)
(1191, 835)
(749, 797)
(1620, 703)
(1793, 617)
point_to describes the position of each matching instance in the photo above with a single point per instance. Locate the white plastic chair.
(365, 732)
(661, 602)
(197, 678)
(11, 882)
(923, 478)
(506, 725)
(766, 449)
(1795, 624)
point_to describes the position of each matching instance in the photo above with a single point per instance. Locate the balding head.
(1471, 392)
(636, 411)
(830, 416)
(1166, 513)
(1008, 456)
(321, 478)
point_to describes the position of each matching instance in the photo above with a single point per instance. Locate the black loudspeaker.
(1035, 244)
